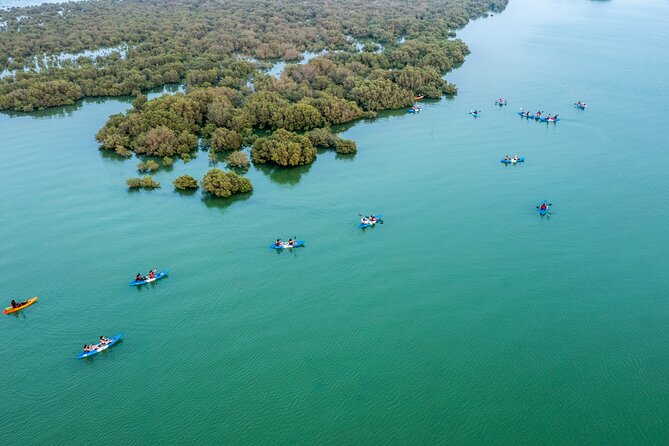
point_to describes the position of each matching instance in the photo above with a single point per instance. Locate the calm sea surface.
(465, 318)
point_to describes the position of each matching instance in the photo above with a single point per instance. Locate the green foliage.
(148, 166)
(198, 42)
(381, 94)
(26, 96)
(224, 184)
(146, 182)
(185, 182)
(283, 148)
(346, 146)
(326, 139)
(322, 138)
(238, 159)
(225, 139)
(167, 161)
(298, 116)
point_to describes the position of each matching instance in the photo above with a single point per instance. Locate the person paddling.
(152, 274)
(544, 206)
(507, 158)
(16, 304)
(290, 242)
(138, 277)
(278, 242)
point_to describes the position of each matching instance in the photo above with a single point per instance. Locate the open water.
(465, 318)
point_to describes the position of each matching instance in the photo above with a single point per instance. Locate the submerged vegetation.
(146, 182)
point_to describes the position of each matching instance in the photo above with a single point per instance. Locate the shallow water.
(464, 318)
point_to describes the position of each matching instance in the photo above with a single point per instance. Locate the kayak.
(414, 110)
(418, 98)
(367, 225)
(582, 106)
(501, 104)
(159, 276)
(519, 160)
(549, 120)
(112, 341)
(476, 115)
(10, 310)
(543, 212)
(523, 115)
(295, 244)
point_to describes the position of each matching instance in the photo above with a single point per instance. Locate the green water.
(464, 319)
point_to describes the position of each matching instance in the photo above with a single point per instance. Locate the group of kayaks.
(538, 116)
(365, 222)
(544, 205)
(106, 343)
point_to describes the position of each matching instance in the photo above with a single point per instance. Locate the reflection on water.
(284, 175)
(213, 202)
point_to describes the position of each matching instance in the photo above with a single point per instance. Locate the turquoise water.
(464, 319)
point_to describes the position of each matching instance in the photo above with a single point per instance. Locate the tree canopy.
(200, 43)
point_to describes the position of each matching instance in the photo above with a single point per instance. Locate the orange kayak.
(28, 303)
(418, 98)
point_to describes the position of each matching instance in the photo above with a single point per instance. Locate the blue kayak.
(112, 341)
(549, 120)
(159, 276)
(519, 160)
(414, 110)
(523, 115)
(582, 106)
(367, 225)
(543, 212)
(295, 244)
(476, 115)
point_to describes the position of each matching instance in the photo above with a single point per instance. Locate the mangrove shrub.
(224, 184)
(146, 182)
(283, 148)
(238, 159)
(185, 182)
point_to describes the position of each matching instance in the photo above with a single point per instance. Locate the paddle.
(547, 204)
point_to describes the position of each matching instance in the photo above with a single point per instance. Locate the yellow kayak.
(28, 303)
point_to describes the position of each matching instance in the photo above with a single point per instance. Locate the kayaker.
(555, 118)
(152, 274)
(138, 277)
(278, 242)
(104, 341)
(544, 206)
(14, 304)
(290, 242)
(364, 220)
(87, 348)
(507, 158)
